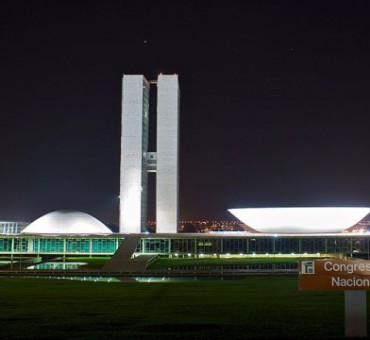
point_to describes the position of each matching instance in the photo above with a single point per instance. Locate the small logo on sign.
(308, 267)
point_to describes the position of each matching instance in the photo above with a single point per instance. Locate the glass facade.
(59, 245)
(189, 245)
(250, 245)
(8, 227)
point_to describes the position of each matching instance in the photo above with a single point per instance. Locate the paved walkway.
(123, 260)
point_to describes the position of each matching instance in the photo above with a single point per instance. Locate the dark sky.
(275, 102)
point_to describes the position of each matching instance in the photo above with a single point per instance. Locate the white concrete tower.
(134, 146)
(167, 194)
(136, 161)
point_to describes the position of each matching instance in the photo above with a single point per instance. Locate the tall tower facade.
(167, 195)
(136, 161)
(134, 147)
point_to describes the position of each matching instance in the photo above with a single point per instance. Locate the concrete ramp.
(123, 261)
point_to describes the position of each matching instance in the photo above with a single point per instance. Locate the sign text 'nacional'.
(334, 274)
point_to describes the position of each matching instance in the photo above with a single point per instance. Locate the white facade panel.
(134, 144)
(167, 188)
(301, 220)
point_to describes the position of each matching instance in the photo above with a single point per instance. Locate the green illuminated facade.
(187, 244)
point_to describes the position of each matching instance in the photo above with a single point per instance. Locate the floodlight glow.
(300, 220)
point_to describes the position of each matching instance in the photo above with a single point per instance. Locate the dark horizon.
(274, 102)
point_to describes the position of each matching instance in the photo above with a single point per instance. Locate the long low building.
(188, 245)
(66, 233)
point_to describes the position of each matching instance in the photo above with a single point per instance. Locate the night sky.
(275, 102)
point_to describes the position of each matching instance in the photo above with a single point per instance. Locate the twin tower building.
(137, 160)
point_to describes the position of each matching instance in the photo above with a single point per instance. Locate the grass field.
(255, 307)
(92, 262)
(178, 262)
(164, 263)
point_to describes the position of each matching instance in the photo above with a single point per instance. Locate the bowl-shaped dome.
(67, 222)
(300, 220)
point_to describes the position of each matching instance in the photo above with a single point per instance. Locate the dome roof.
(300, 220)
(67, 222)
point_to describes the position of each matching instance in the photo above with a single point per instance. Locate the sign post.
(355, 313)
(352, 276)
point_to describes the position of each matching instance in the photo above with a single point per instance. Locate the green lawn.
(92, 262)
(158, 263)
(255, 307)
(179, 262)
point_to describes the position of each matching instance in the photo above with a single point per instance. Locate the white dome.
(67, 222)
(300, 220)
